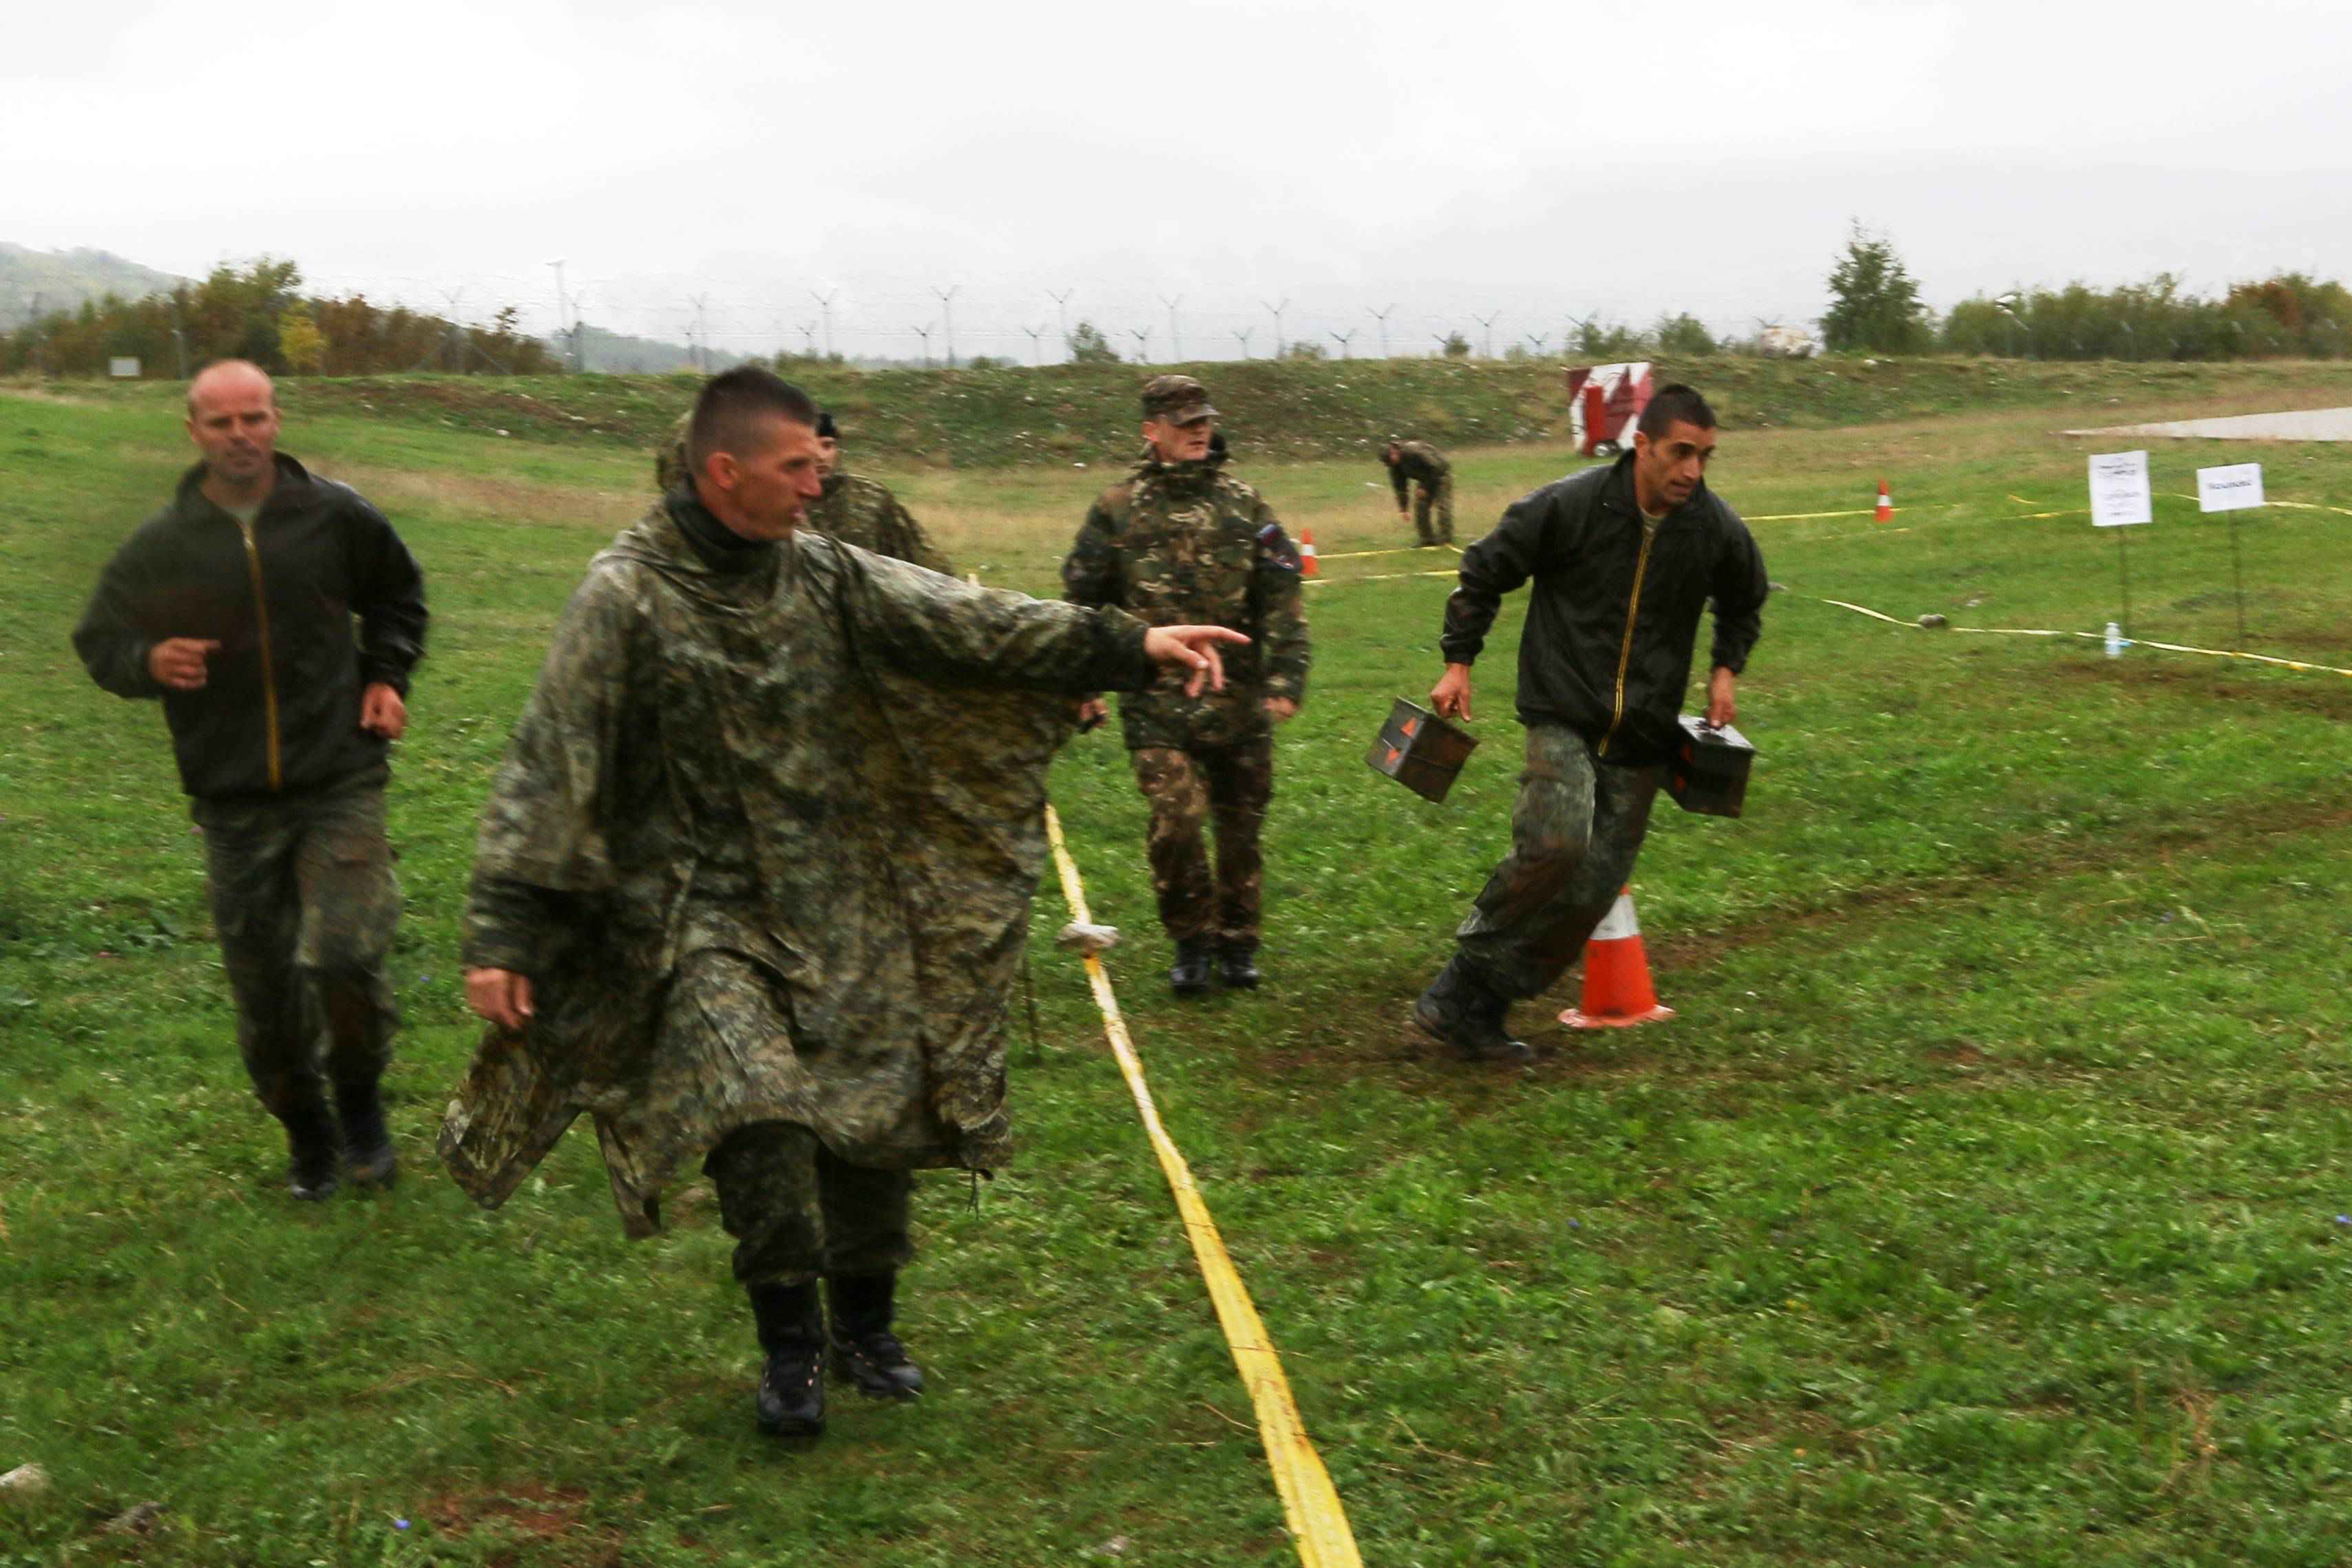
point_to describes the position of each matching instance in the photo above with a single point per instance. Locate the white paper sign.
(2229, 489)
(2119, 490)
(122, 369)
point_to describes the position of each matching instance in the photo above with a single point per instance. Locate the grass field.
(1989, 1200)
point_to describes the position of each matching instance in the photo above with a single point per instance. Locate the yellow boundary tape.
(1319, 1524)
(2095, 636)
(1401, 550)
(1374, 577)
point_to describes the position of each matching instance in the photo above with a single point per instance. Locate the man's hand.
(1192, 648)
(381, 712)
(1282, 710)
(1722, 697)
(178, 662)
(1450, 697)
(500, 995)
(1092, 712)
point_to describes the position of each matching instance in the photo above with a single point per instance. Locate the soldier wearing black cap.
(1180, 540)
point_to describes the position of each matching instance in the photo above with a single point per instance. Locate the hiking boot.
(369, 1158)
(312, 1161)
(1237, 966)
(865, 1350)
(1464, 1011)
(791, 1398)
(1189, 977)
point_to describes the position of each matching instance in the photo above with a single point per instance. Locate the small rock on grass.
(136, 1520)
(24, 1480)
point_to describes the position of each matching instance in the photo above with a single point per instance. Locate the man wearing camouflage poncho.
(755, 876)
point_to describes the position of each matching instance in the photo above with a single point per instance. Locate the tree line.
(260, 313)
(1875, 308)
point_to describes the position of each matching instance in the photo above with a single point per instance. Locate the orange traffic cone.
(1307, 567)
(1616, 974)
(1885, 513)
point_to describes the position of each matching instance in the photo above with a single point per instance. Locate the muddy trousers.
(305, 902)
(1187, 789)
(1432, 511)
(1576, 829)
(798, 1211)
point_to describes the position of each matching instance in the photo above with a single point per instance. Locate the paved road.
(2298, 425)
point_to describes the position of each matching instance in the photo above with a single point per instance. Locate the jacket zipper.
(268, 664)
(1626, 653)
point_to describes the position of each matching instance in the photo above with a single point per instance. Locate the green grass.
(1981, 1204)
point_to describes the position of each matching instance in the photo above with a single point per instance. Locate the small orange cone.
(1616, 974)
(1307, 567)
(1885, 513)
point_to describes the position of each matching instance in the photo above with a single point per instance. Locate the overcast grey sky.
(1462, 159)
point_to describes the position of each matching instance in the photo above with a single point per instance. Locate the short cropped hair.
(1671, 404)
(728, 412)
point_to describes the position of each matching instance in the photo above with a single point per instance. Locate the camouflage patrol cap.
(1178, 400)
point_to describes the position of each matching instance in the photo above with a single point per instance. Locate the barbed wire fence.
(950, 323)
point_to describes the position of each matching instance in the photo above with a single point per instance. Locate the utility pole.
(925, 334)
(699, 341)
(179, 338)
(561, 326)
(1142, 338)
(1244, 334)
(1062, 304)
(1276, 311)
(808, 331)
(1382, 317)
(41, 360)
(456, 334)
(947, 313)
(1344, 338)
(1487, 323)
(825, 303)
(1037, 343)
(1175, 339)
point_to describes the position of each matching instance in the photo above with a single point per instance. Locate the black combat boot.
(865, 1350)
(1237, 965)
(791, 1401)
(312, 1160)
(368, 1155)
(1466, 1012)
(1189, 978)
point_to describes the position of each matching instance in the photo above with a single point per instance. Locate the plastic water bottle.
(2114, 641)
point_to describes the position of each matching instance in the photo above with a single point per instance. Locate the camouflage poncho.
(816, 764)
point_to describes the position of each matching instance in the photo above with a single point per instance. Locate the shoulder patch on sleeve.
(1274, 548)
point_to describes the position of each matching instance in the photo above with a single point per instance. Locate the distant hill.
(616, 354)
(62, 279)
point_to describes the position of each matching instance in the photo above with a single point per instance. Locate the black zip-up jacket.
(280, 709)
(1607, 648)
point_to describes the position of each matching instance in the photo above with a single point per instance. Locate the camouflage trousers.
(305, 902)
(1576, 829)
(1186, 788)
(1434, 498)
(776, 1180)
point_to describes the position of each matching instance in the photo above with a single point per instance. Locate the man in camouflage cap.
(1412, 463)
(754, 880)
(853, 509)
(1182, 540)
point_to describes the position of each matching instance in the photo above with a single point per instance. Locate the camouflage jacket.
(1189, 543)
(1416, 460)
(826, 762)
(854, 509)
